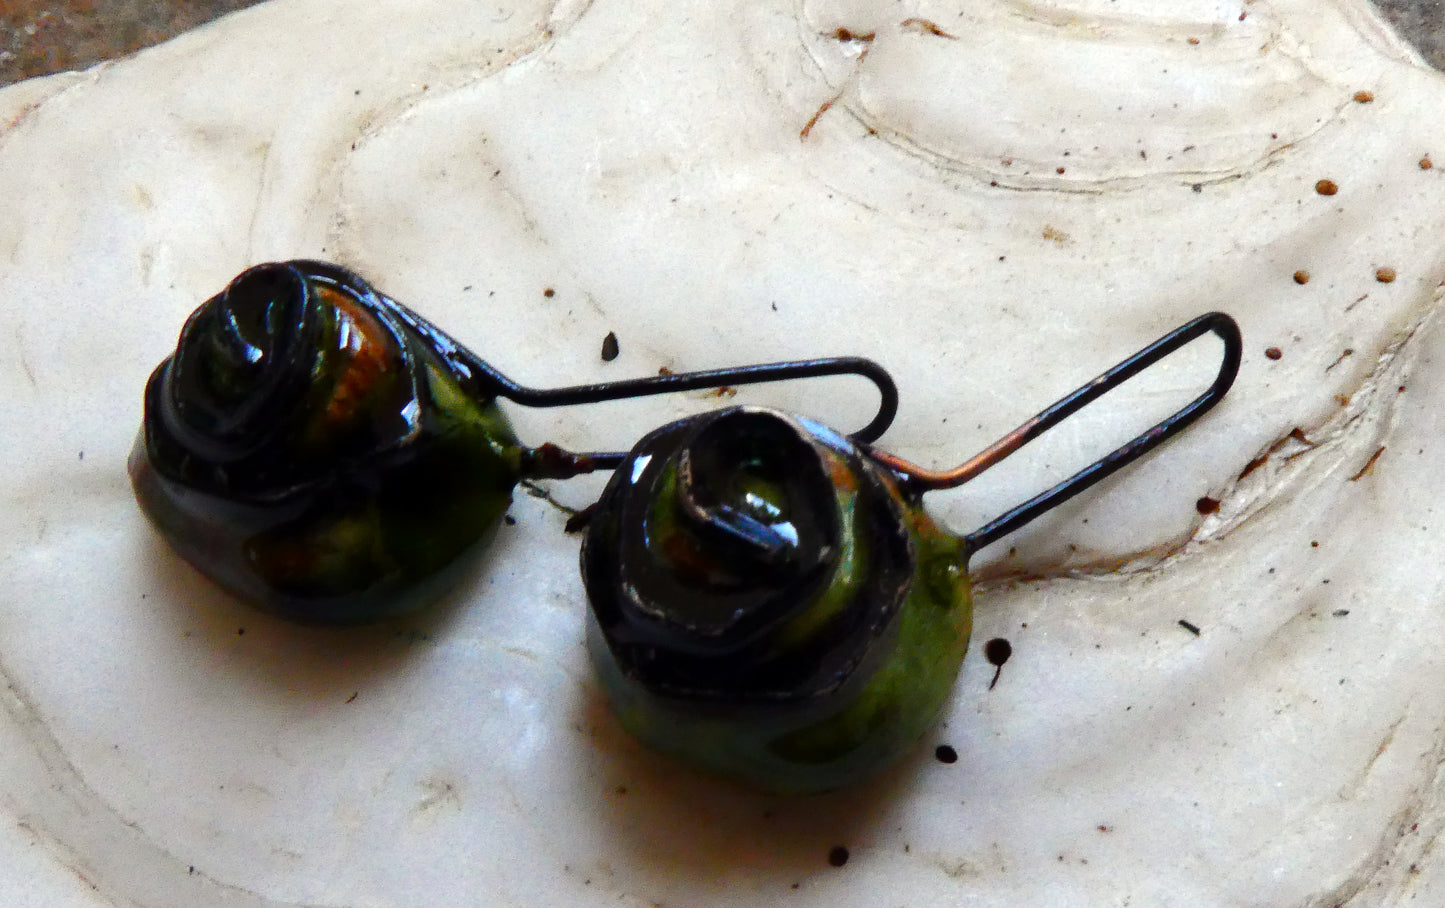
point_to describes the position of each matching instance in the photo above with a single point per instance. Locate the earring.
(771, 602)
(322, 451)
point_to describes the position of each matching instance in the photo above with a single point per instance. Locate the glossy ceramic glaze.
(644, 162)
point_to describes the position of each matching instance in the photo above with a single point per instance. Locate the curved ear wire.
(489, 382)
(1217, 323)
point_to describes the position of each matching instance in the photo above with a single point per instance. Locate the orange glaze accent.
(369, 357)
(840, 473)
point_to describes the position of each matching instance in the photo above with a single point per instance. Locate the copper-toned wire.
(1214, 322)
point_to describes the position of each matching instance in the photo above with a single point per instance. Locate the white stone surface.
(644, 160)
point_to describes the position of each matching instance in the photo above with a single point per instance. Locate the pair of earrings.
(769, 599)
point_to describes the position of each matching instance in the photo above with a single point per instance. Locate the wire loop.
(1217, 323)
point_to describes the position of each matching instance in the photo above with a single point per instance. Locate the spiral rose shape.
(768, 603)
(314, 453)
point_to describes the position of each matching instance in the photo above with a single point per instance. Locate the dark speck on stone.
(838, 856)
(609, 347)
(945, 754)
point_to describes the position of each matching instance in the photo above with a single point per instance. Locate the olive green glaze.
(316, 456)
(871, 646)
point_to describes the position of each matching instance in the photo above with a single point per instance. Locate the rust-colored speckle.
(925, 25)
(1273, 352)
(1193, 40)
(1326, 187)
(1051, 232)
(663, 370)
(1059, 169)
(1253, 465)
(1364, 97)
(1207, 505)
(724, 391)
(1385, 275)
(844, 34)
(813, 120)
(1369, 464)
(1301, 277)
(1426, 163)
(549, 293)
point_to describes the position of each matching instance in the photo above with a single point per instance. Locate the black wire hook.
(485, 380)
(1218, 323)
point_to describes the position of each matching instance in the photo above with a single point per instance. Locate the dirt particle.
(1326, 187)
(1314, 543)
(724, 391)
(844, 34)
(1050, 232)
(664, 371)
(997, 651)
(1364, 97)
(945, 753)
(1273, 353)
(1059, 170)
(549, 293)
(1385, 275)
(609, 347)
(1207, 505)
(1301, 277)
(1193, 40)
(354, 695)
(1426, 163)
(510, 520)
(1189, 626)
(837, 856)
(1103, 828)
